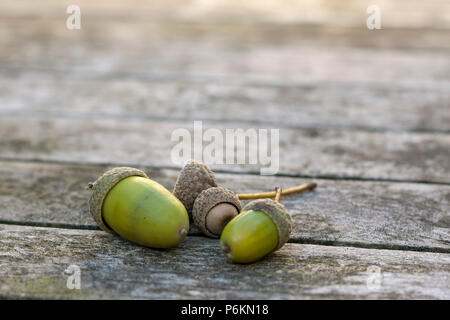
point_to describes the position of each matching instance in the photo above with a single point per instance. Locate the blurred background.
(86, 94)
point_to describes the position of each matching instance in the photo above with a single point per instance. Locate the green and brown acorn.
(210, 207)
(263, 226)
(126, 202)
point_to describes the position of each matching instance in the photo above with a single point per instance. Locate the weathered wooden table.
(365, 113)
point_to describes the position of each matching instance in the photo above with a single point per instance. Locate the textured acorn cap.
(102, 186)
(279, 215)
(193, 179)
(208, 199)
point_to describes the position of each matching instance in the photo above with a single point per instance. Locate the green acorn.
(262, 227)
(126, 202)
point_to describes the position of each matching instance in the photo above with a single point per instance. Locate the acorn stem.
(277, 194)
(301, 188)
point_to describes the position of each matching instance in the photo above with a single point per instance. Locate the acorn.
(213, 209)
(193, 178)
(126, 202)
(263, 226)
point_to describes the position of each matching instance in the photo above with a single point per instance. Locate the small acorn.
(262, 227)
(193, 178)
(126, 202)
(213, 209)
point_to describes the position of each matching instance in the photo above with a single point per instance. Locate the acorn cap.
(102, 186)
(207, 200)
(193, 179)
(279, 215)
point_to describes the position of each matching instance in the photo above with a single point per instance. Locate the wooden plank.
(33, 263)
(401, 13)
(227, 52)
(304, 152)
(227, 35)
(368, 214)
(314, 105)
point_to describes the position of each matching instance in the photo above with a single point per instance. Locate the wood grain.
(33, 263)
(349, 13)
(292, 55)
(305, 152)
(368, 214)
(313, 105)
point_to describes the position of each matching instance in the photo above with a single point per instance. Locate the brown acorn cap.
(279, 215)
(193, 179)
(102, 186)
(207, 200)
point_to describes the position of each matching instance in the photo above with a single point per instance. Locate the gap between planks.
(247, 172)
(330, 243)
(422, 247)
